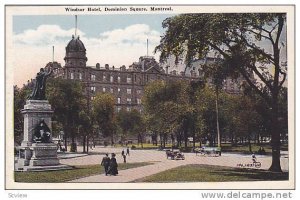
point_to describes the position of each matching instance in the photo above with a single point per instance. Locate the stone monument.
(37, 151)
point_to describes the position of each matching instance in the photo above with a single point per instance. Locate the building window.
(104, 77)
(111, 90)
(104, 89)
(128, 91)
(128, 109)
(93, 77)
(138, 91)
(128, 79)
(92, 98)
(93, 89)
(118, 109)
(138, 101)
(119, 90)
(111, 79)
(119, 100)
(128, 100)
(72, 75)
(80, 76)
(119, 79)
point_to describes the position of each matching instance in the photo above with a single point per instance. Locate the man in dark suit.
(106, 162)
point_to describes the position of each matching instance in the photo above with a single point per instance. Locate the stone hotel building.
(126, 84)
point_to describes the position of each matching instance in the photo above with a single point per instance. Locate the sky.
(109, 39)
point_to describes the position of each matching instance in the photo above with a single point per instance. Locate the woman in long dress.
(113, 166)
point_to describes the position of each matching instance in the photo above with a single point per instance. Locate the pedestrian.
(123, 152)
(124, 158)
(113, 166)
(106, 163)
(253, 158)
(127, 151)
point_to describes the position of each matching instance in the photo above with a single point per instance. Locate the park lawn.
(68, 175)
(245, 148)
(209, 173)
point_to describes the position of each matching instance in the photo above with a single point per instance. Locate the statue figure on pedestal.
(38, 92)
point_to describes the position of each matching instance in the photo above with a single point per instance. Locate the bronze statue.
(42, 133)
(38, 92)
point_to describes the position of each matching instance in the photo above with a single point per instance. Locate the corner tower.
(75, 53)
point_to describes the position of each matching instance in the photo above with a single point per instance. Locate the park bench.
(210, 151)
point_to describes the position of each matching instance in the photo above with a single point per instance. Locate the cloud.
(137, 33)
(43, 35)
(33, 47)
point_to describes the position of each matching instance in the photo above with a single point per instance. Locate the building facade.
(126, 84)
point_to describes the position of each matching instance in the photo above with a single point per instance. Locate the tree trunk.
(84, 143)
(185, 139)
(160, 138)
(87, 144)
(142, 141)
(217, 116)
(194, 142)
(249, 143)
(65, 141)
(232, 141)
(275, 133)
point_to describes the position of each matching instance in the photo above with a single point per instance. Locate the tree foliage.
(240, 39)
(20, 96)
(131, 123)
(104, 115)
(67, 99)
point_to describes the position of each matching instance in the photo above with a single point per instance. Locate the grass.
(245, 148)
(67, 175)
(208, 173)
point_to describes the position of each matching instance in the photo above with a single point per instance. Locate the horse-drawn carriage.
(210, 151)
(175, 155)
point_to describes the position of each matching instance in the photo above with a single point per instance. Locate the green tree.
(85, 123)
(104, 115)
(131, 123)
(205, 105)
(166, 107)
(20, 96)
(238, 38)
(67, 100)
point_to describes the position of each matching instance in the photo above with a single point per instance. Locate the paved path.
(160, 163)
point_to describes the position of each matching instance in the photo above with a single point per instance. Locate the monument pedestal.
(35, 156)
(44, 154)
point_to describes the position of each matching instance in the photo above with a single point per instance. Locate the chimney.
(97, 66)
(167, 67)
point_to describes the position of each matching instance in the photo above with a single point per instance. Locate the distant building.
(126, 84)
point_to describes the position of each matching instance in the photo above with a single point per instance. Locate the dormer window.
(93, 77)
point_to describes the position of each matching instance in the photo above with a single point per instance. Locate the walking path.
(160, 163)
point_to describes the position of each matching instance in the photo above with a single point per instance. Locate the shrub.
(188, 149)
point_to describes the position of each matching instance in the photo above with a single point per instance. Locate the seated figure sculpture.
(42, 133)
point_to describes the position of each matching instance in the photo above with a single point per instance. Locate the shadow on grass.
(61, 176)
(209, 173)
(252, 174)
